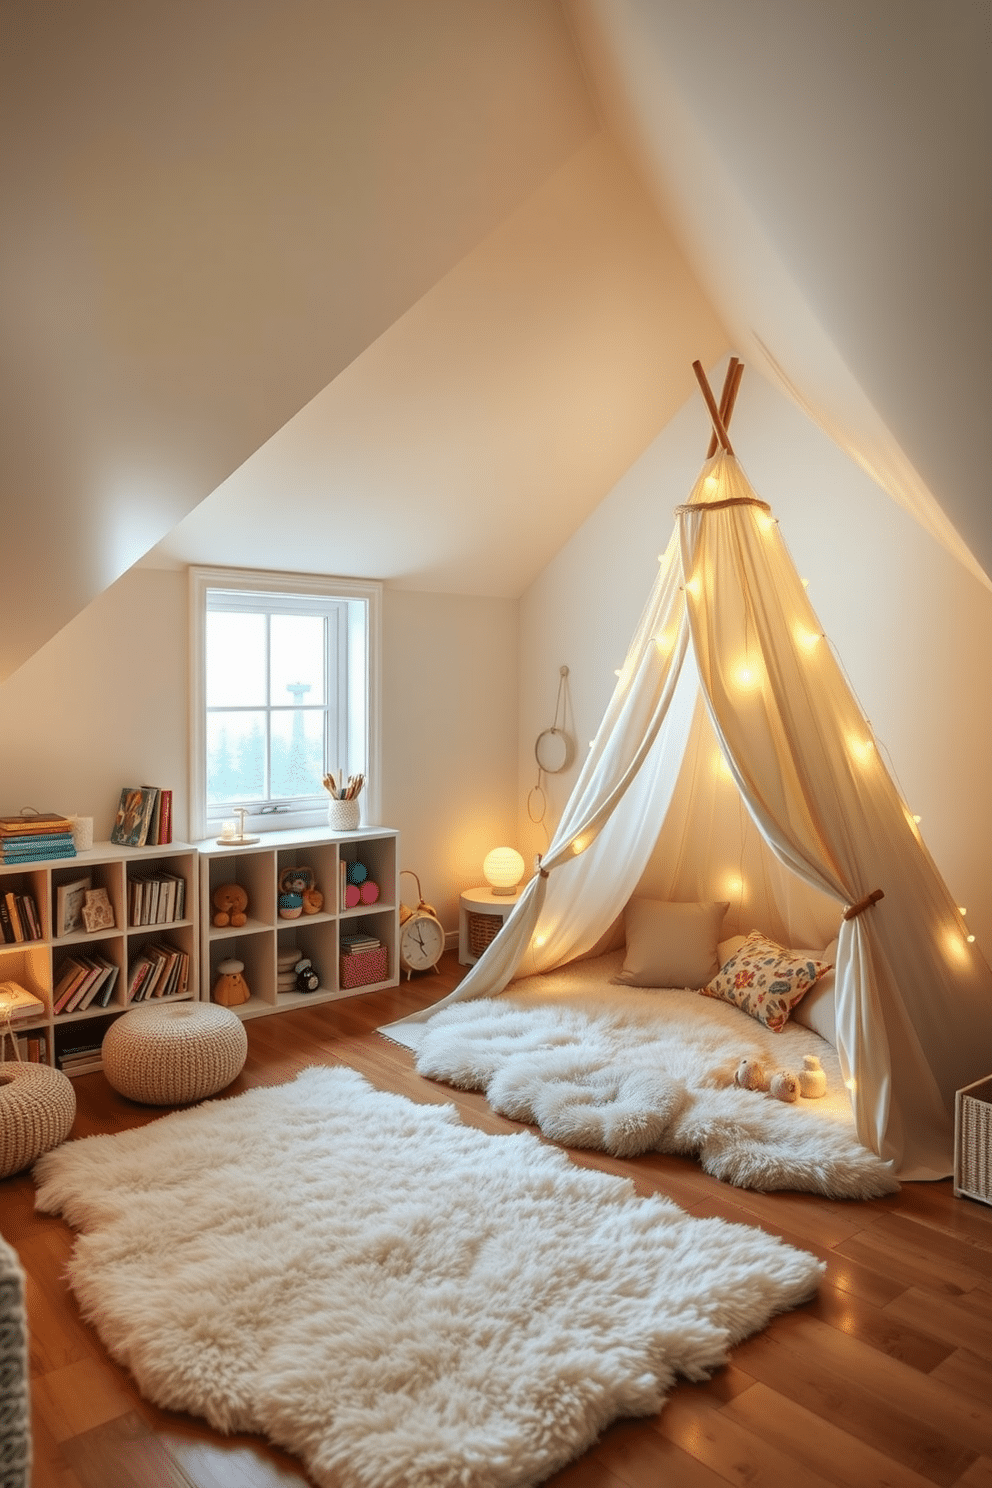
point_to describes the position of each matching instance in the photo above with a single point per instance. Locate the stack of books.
(32, 839)
(158, 970)
(81, 1058)
(144, 817)
(83, 980)
(18, 918)
(353, 945)
(17, 1002)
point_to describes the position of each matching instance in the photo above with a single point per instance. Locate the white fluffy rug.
(629, 1071)
(393, 1296)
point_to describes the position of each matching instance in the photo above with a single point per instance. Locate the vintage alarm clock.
(422, 936)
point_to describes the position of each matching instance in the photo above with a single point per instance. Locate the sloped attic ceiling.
(210, 209)
(825, 167)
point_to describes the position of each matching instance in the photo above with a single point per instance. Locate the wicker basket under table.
(973, 1141)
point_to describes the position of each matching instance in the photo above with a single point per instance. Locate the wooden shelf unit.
(37, 964)
(257, 868)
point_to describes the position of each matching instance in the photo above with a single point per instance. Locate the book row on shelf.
(35, 836)
(156, 899)
(19, 918)
(84, 981)
(144, 817)
(28, 1048)
(159, 970)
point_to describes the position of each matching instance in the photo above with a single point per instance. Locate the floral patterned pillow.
(764, 980)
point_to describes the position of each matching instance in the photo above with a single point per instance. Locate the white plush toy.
(784, 1086)
(750, 1075)
(812, 1080)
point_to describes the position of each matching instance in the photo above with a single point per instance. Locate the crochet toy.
(230, 901)
(307, 978)
(230, 989)
(750, 1075)
(812, 1080)
(784, 1086)
(313, 901)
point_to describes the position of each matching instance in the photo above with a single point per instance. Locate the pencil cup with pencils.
(343, 809)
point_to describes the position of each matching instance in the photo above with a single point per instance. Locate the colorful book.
(134, 814)
(38, 854)
(165, 824)
(42, 821)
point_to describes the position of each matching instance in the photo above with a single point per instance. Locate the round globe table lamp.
(503, 870)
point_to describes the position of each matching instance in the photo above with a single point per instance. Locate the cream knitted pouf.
(37, 1109)
(15, 1399)
(174, 1054)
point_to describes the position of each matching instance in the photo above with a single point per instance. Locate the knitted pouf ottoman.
(174, 1054)
(37, 1109)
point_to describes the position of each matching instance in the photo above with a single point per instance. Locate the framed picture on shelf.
(69, 901)
(98, 912)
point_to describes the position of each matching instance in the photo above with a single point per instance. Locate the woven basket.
(37, 1109)
(482, 931)
(344, 816)
(973, 1141)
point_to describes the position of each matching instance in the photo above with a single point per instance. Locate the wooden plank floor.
(884, 1379)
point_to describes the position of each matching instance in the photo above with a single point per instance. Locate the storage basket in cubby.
(482, 931)
(973, 1141)
(360, 968)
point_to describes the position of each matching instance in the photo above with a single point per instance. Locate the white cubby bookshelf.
(37, 964)
(257, 867)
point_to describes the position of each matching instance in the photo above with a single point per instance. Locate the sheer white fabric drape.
(729, 622)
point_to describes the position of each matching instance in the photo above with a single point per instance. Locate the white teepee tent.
(729, 663)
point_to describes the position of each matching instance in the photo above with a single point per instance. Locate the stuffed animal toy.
(812, 1080)
(230, 989)
(750, 1075)
(784, 1086)
(307, 977)
(290, 906)
(313, 901)
(230, 901)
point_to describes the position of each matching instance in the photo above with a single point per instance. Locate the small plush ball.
(357, 873)
(750, 1075)
(785, 1086)
(313, 901)
(290, 906)
(812, 1080)
(369, 892)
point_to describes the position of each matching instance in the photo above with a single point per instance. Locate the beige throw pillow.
(671, 944)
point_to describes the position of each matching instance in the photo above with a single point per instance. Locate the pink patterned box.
(362, 967)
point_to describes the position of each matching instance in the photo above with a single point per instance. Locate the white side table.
(481, 915)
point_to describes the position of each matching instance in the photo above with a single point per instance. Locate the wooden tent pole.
(730, 383)
(707, 391)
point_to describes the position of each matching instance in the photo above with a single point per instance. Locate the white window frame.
(367, 744)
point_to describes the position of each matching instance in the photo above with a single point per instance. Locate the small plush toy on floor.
(812, 1080)
(784, 1086)
(750, 1075)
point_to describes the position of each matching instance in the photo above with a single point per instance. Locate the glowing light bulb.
(721, 768)
(710, 483)
(805, 583)
(851, 1084)
(862, 749)
(694, 586)
(733, 885)
(539, 941)
(917, 819)
(747, 676)
(806, 640)
(962, 910)
(503, 869)
(970, 939)
(765, 521)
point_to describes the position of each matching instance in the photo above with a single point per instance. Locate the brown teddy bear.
(230, 901)
(313, 901)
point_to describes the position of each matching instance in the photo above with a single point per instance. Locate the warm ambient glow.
(747, 676)
(721, 767)
(733, 886)
(665, 642)
(806, 640)
(695, 586)
(765, 521)
(862, 749)
(503, 868)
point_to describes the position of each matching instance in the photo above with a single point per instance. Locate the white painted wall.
(103, 704)
(912, 628)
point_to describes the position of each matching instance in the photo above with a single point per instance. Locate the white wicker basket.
(973, 1141)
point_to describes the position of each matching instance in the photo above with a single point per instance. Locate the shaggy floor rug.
(393, 1296)
(629, 1071)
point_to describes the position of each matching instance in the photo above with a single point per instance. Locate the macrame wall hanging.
(554, 750)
